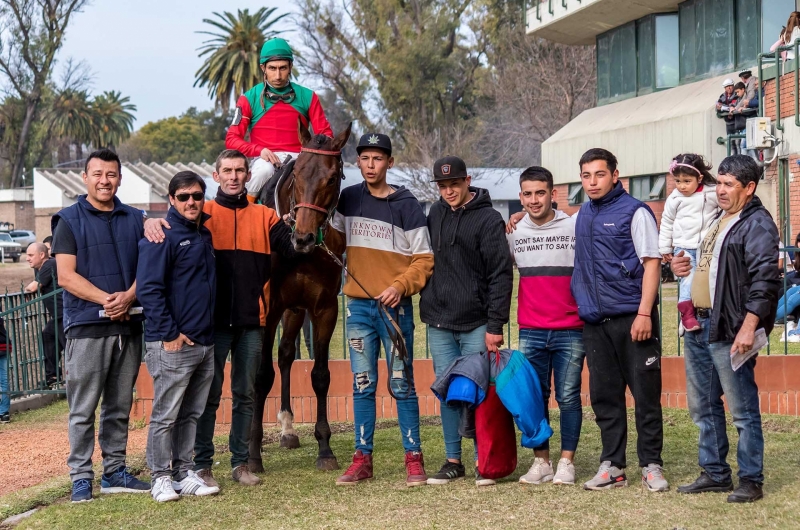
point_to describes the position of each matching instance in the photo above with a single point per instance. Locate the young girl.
(688, 212)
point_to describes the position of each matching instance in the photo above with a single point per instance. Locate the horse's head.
(317, 181)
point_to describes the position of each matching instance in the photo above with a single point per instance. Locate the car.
(23, 237)
(11, 249)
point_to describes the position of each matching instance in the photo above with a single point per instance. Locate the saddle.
(269, 193)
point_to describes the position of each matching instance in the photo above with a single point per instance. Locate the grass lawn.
(295, 495)
(669, 331)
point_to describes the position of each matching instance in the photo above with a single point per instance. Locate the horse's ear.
(302, 133)
(341, 139)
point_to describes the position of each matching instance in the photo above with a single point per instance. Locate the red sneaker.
(415, 469)
(360, 469)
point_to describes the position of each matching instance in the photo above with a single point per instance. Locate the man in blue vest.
(615, 282)
(95, 242)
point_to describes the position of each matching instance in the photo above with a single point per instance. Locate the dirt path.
(14, 274)
(32, 452)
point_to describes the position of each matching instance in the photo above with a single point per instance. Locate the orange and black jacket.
(244, 235)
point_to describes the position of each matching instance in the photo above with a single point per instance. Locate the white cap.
(727, 82)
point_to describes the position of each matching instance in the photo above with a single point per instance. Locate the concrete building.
(16, 208)
(660, 67)
(143, 186)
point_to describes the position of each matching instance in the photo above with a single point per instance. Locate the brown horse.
(309, 283)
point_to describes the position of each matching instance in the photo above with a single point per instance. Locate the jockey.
(269, 112)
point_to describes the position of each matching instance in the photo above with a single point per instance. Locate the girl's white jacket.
(686, 219)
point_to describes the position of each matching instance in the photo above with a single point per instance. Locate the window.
(646, 53)
(616, 64)
(774, 14)
(707, 38)
(667, 51)
(576, 194)
(648, 188)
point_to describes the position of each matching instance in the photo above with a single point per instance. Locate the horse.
(309, 283)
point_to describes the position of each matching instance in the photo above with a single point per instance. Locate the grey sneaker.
(653, 478)
(540, 471)
(480, 481)
(607, 477)
(565, 474)
(243, 476)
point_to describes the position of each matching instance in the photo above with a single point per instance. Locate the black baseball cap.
(376, 141)
(449, 167)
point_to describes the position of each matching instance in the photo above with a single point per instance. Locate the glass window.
(707, 38)
(648, 188)
(774, 14)
(645, 50)
(658, 188)
(666, 51)
(747, 34)
(616, 64)
(576, 195)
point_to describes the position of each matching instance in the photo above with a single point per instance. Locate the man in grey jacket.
(735, 292)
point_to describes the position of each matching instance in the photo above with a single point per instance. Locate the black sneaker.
(450, 471)
(482, 481)
(748, 491)
(5, 418)
(704, 483)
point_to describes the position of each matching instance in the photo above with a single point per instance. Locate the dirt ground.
(14, 274)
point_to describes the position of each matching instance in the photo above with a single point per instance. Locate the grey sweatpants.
(105, 367)
(181, 381)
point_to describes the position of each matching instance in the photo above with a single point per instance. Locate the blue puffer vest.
(607, 280)
(108, 252)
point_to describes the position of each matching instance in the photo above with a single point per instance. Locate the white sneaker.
(540, 471)
(194, 485)
(565, 474)
(787, 331)
(162, 490)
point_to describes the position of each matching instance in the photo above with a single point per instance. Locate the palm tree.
(113, 119)
(71, 120)
(231, 65)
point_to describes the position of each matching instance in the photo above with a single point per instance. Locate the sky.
(147, 49)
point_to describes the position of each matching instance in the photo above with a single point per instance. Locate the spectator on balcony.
(750, 83)
(726, 103)
(789, 34)
(738, 115)
(46, 282)
(734, 292)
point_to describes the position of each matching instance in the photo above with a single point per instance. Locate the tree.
(232, 63)
(112, 119)
(31, 32)
(71, 120)
(174, 139)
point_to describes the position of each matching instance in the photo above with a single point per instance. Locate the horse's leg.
(264, 381)
(323, 324)
(292, 323)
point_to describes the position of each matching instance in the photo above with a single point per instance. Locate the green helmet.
(276, 49)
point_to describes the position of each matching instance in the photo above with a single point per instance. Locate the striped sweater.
(387, 241)
(545, 256)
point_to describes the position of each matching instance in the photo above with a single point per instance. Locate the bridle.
(327, 212)
(399, 349)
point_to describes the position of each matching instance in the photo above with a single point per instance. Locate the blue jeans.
(446, 346)
(788, 303)
(685, 291)
(5, 396)
(708, 376)
(558, 353)
(244, 346)
(365, 332)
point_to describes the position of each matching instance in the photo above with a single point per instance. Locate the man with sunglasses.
(269, 112)
(176, 285)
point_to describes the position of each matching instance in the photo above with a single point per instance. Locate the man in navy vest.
(615, 282)
(95, 242)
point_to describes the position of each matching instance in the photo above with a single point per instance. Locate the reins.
(399, 349)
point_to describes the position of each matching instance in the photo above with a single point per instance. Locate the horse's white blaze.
(286, 420)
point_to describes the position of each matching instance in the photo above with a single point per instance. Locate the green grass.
(294, 495)
(669, 332)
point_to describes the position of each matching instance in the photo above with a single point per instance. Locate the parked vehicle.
(23, 237)
(11, 249)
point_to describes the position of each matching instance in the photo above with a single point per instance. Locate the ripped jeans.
(365, 332)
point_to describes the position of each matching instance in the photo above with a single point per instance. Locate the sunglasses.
(197, 196)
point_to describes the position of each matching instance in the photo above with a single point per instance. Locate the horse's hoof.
(290, 441)
(327, 464)
(256, 466)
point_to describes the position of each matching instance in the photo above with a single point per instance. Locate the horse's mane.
(320, 141)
